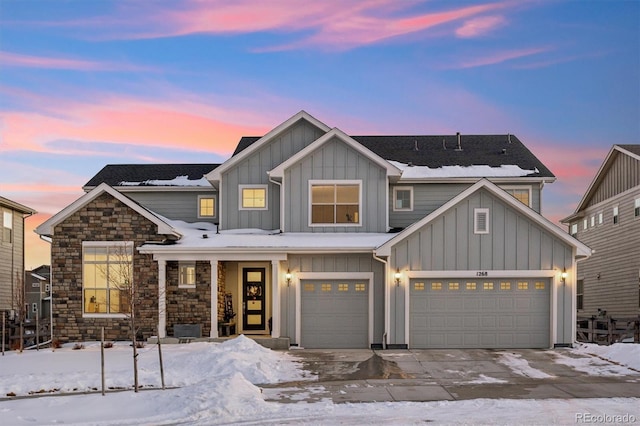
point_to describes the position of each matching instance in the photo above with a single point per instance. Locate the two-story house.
(12, 254)
(329, 240)
(607, 219)
(37, 293)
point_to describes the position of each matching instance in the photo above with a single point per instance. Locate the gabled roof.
(5, 202)
(581, 249)
(152, 175)
(441, 151)
(257, 143)
(47, 227)
(335, 132)
(632, 151)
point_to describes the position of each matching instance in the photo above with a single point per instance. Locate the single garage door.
(334, 314)
(483, 313)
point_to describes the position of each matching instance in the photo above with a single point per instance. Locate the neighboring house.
(607, 219)
(12, 251)
(37, 293)
(329, 240)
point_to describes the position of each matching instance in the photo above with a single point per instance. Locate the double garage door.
(334, 313)
(482, 313)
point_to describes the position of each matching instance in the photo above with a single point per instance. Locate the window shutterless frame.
(335, 203)
(253, 197)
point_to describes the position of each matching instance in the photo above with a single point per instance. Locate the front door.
(253, 296)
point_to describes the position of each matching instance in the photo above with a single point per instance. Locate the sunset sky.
(84, 83)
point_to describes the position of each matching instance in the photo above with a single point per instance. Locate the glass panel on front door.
(253, 298)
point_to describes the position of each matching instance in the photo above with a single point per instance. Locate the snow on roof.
(193, 237)
(177, 181)
(421, 172)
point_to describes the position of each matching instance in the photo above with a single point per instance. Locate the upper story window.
(585, 224)
(615, 215)
(107, 277)
(636, 207)
(600, 218)
(206, 206)
(480, 221)
(7, 226)
(187, 274)
(593, 221)
(522, 194)
(402, 198)
(574, 229)
(253, 197)
(335, 202)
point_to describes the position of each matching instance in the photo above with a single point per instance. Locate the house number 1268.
(482, 274)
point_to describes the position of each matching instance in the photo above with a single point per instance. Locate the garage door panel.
(500, 313)
(334, 313)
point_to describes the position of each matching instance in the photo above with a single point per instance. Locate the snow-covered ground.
(215, 383)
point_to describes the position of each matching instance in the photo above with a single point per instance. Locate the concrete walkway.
(434, 375)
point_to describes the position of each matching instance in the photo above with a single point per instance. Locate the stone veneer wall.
(103, 219)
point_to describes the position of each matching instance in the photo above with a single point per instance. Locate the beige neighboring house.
(12, 248)
(607, 219)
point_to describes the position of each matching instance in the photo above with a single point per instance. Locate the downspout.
(49, 240)
(281, 201)
(386, 298)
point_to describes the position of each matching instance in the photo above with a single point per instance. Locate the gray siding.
(334, 263)
(177, 205)
(11, 260)
(335, 160)
(427, 197)
(611, 274)
(253, 170)
(622, 175)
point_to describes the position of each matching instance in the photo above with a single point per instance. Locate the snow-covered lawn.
(215, 383)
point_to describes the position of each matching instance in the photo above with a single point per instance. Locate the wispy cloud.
(480, 26)
(10, 59)
(499, 57)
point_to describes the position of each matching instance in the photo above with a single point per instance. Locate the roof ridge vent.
(459, 147)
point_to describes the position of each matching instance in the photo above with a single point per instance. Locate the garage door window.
(523, 285)
(436, 286)
(540, 285)
(487, 286)
(505, 285)
(326, 287)
(360, 287)
(309, 287)
(343, 287)
(418, 286)
(471, 286)
(454, 286)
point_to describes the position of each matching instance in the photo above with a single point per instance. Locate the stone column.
(275, 298)
(162, 299)
(214, 299)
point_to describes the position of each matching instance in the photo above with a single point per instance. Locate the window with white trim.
(7, 226)
(615, 215)
(335, 203)
(403, 198)
(34, 307)
(636, 207)
(522, 194)
(600, 218)
(206, 206)
(574, 229)
(107, 277)
(253, 197)
(480, 221)
(186, 274)
(580, 294)
(593, 221)
(585, 224)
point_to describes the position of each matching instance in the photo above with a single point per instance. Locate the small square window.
(574, 229)
(326, 287)
(454, 286)
(481, 221)
(523, 285)
(505, 285)
(360, 287)
(206, 207)
(593, 221)
(585, 224)
(253, 197)
(402, 198)
(418, 286)
(343, 287)
(471, 286)
(7, 226)
(600, 218)
(540, 285)
(487, 286)
(436, 286)
(615, 215)
(309, 287)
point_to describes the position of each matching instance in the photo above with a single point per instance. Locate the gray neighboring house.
(37, 293)
(607, 219)
(12, 253)
(326, 240)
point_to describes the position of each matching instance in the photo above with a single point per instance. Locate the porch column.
(162, 299)
(214, 299)
(275, 298)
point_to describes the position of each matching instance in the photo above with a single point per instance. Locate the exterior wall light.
(563, 275)
(397, 277)
(287, 276)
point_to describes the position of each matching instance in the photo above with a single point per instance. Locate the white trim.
(162, 299)
(248, 186)
(477, 213)
(335, 182)
(181, 264)
(403, 188)
(276, 272)
(300, 276)
(507, 273)
(525, 187)
(215, 205)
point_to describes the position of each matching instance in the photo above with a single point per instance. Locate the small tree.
(19, 308)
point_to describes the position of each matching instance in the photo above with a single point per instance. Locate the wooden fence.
(607, 330)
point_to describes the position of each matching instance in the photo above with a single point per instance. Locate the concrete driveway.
(431, 375)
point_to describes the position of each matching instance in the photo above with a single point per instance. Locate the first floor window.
(335, 203)
(253, 197)
(402, 198)
(206, 207)
(187, 274)
(107, 277)
(34, 307)
(580, 295)
(7, 226)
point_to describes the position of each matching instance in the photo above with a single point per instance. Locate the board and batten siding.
(623, 174)
(253, 171)
(427, 197)
(331, 263)
(514, 243)
(611, 276)
(335, 161)
(176, 205)
(11, 260)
